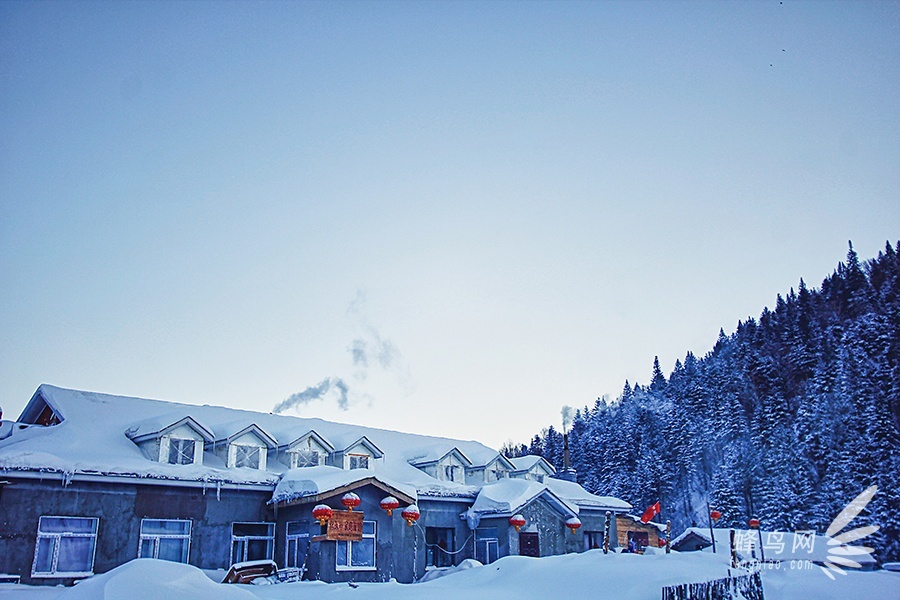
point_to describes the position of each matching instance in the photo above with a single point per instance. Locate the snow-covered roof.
(435, 456)
(637, 519)
(776, 545)
(508, 496)
(528, 462)
(91, 439)
(317, 482)
(574, 493)
(157, 426)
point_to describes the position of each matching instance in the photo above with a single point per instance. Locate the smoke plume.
(317, 392)
(566, 418)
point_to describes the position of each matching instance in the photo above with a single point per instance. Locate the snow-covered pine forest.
(788, 418)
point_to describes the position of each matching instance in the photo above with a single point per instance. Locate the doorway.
(529, 544)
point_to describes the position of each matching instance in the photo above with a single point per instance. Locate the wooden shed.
(630, 529)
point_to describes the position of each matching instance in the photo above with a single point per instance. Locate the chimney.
(568, 473)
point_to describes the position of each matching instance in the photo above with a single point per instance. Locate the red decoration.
(389, 504)
(753, 523)
(322, 513)
(662, 542)
(410, 514)
(652, 511)
(715, 515)
(350, 500)
(574, 523)
(517, 521)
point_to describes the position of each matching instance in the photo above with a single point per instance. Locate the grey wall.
(120, 509)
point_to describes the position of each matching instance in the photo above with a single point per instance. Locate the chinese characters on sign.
(345, 526)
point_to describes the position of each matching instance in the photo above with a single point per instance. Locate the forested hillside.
(788, 418)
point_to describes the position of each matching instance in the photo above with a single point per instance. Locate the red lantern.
(517, 521)
(573, 523)
(350, 501)
(662, 542)
(389, 504)
(715, 515)
(410, 514)
(753, 523)
(322, 513)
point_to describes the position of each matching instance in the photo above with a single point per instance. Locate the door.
(528, 544)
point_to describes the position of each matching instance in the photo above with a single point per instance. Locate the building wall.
(120, 508)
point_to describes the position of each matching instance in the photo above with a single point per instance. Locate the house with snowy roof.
(91, 481)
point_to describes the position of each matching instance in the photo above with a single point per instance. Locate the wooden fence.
(742, 587)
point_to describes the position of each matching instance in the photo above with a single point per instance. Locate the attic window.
(452, 473)
(304, 458)
(181, 451)
(359, 461)
(47, 417)
(246, 456)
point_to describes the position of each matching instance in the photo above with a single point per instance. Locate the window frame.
(245, 448)
(311, 458)
(348, 552)
(245, 539)
(176, 445)
(57, 537)
(358, 458)
(294, 538)
(156, 537)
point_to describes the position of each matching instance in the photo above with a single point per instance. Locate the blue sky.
(472, 213)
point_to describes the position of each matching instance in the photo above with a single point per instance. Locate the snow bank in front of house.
(591, 575)
(146, 578)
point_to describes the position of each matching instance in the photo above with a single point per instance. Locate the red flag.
(651, 512)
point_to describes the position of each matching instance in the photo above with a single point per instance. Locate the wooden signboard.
(345, 525)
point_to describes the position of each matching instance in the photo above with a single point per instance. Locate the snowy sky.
(468, 213)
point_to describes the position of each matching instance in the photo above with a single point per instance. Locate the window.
(181, 452)
(304, 458)
(486, 544)
(65, 547)
(359, 556)
(439, 546)
(359, 461)
(495, 475)
(252, 541)
(246, 456)
(165, 539)
(451, 473)
(296, 544)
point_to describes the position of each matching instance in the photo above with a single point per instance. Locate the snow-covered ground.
(589, 575)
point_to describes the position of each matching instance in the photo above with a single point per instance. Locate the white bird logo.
(838, 549)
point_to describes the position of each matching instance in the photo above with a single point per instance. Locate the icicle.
(205, 481)
(218, 489)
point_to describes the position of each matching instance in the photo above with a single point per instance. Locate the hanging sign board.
(345, 525)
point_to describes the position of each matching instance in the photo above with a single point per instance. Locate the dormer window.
(171, 439)
(308, 450)
(361, 454)
(246, 448)
(246, 456)
(305, 458)
(359, 461)
(181, 451)
(453, 473)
